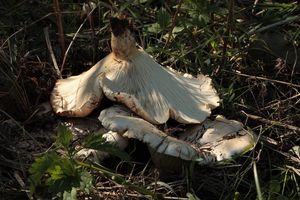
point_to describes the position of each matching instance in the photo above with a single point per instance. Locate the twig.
(269, 141)
(73, 39)
(22, 29)
(227, 34)
(21, 127)
(257, 184)
(281, 101)
(173, 23)
(46, 33)
(21, 183)
(94, 41)
(139, 196)
(297, 171)
(31, 24)
(272, 122)
(262, 78)
(287, 155)
(60, 27)
(286, 21)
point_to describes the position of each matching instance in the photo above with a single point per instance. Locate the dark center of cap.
(119, 25)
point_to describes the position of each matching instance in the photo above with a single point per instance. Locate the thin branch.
(21, 127)
(227, 33)
(272, 122)
(262, 78)
(281, 101)
(60, 27)
(173, 23)
(286, 21)
(31, 24)
(46, 32)
(73, 39)
(132, 195)
(27, 26)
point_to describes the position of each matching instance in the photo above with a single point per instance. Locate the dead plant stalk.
(272, 122)
(60, 27)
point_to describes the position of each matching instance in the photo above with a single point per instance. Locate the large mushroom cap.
(209, 142)
(78, 96)
(156, 93)
(150, 90)
(132, 77)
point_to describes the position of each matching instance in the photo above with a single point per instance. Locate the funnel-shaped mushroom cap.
(209, 142)
(132, 77)
(78, 96)
(156, 93)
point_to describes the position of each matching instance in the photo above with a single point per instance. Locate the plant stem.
(258, 189)
(173, 23)
(60, 27)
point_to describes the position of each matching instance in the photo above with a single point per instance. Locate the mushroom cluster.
(150, 94)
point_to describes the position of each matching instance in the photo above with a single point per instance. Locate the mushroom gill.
(211, 141)
(132, 77)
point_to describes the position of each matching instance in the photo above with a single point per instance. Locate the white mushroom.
(211, 141)
(77, 96)
(221, 137)
(132, 77)
(119, 119)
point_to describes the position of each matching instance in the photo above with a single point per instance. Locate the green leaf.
(40, 166)
(154, 28)
(86, 180)
(62, 167)
(64, 136)
(95, 141)
(63, 176)
(275, 186)
(66, 183)
(163, 18)
(191, 196)
(62, 173)
(70, 195)
(177, 29)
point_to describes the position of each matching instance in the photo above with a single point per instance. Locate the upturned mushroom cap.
(150, 90)
(132, 77)
(120, 120)
(209, 142)
(221, 138)
(78, 96)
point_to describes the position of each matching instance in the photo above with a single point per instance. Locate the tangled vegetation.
(249, 48)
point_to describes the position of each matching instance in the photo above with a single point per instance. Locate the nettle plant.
(62, 174)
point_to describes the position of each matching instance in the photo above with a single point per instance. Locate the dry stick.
(272, 122)
(139, 196)
(46, 32)
(286, 21)
(226, 35)
(31, 24)
(73, 39)
(281, 101)
(60, 27)
(262, 78)
(173, 23)
(95, 43)
(21, 183)
(22, 29)
(21, 127)
(297, 171)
